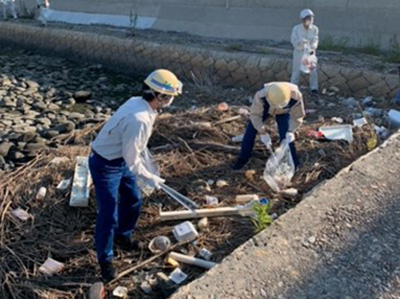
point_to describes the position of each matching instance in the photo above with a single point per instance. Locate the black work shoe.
(239, 164)
(108, 272)
(314, 92)
(127, 244)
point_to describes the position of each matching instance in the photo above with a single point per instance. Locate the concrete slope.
(341, 241)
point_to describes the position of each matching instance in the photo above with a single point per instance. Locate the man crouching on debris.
(115, 163)
(282, 100)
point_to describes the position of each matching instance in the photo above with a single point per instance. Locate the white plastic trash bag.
(308, 61)
(280, 168)
(151, 165)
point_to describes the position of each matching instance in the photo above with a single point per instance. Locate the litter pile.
(47, 246)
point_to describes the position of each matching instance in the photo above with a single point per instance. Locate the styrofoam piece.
(120, 292)
(81, 183)
(41, 193)
(51, 266)
(360, 122)
(238, 138)
(394, 117)
(64, 184)
(342, 132)
(178, 276)
(21, 214)
(185, 232)
(211, 200)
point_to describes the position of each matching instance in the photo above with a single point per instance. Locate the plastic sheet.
(308, 61)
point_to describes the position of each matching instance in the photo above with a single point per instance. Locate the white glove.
(290, 137)
(266, 139)
(155, 182)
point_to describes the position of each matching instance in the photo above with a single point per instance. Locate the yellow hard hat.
(165, 82)
(278, 95)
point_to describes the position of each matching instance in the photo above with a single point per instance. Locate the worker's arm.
(256, 114)
(315, 39)
(297, 112)
(296, 40)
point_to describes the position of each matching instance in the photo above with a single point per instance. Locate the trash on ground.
(382, 132)
(51, 267)
(394, 117)
(359, 122)
(322, 153)
(162, 276)
(249, 174)
(315, 134)
(290, 192)
(120, 292)
(211, 201)
(274, 216)
(368, 101)
(192, 260)
(244, 112)
(59, 160)
(172, 262)
(338, 120)
(180, 198)
(223, 106)
(178, 276)
(203, 223)
(238, 138)
(205, 254)
(210, 182)
(146, 287)
(159, 244)
(81, 183)
(372, 142)
(41, 193)
(97, 291)
(64, 184)
(334, 89)
(308, 62)
(311, 111)
(222, 183)
(279, 169)
(375, 112)
(342, 132)
(21, 214)
(245, 198)
(242, 211)
(185, 232)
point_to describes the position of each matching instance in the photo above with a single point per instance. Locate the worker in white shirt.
(43, 6)
(115, 164)
(9, 6)
(304, 37)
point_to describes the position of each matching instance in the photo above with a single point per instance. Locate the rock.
(334, 89)
(69, 102)
(2, 161)
(368, 101)
(350, 102)
(34, 147)
(29, 92)
(6, 82)
(18, 156)
(8, 102)
(221, 183)
(45, 121)
(40, 105)
(76, 116)
(5, 148)
(32, 84)
(53, 107)
(28, 136)
(21, 145)
(14, 136)
(311, 240)
(82, 95)
(65, 127)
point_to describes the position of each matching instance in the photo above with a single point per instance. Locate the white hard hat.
(306, 13)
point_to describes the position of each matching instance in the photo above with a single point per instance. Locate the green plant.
(393, 55)
(133, 18)
(234, 47)
(329, 43)
(371, 47)
(262, 219)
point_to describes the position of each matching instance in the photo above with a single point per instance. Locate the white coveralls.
(9, 6)
(44, 10)
(300, 39)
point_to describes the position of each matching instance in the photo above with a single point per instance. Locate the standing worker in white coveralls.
(115, 164)
(9, 6)
(43, 6)
(304, 38)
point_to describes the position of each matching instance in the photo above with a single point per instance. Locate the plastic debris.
(249, 174)
(146, 287)
(222, 183)
(178, 276)
(205, 254)
(185, 232)
(338, 120)
(274, 216)
(51, 266)
(41, 193)
(342, 132)
(375, 112)
(64, 184)
(290, 192)
(360, 122)
(21, 214)
(244, 112)
(238, 138)
(245, 198)
(192, 260)
(324, 90)
(120, 292)
(368, 101)
(315, 134)
(308, 61)
(172, 262)
(203, 223)
(211, 200)
(350, 102)
(394, 117)
(223, 106)
(81, 184)
(59, 160)
(382, 132)
(372, 142)
(159, 244)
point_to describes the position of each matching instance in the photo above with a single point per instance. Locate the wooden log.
(191, 260)
(200, 213)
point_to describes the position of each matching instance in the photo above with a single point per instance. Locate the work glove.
(266, 139)
(155, 182)
(289, 137)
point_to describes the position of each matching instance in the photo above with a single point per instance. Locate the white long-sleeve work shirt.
(300, 34)
(126, 135)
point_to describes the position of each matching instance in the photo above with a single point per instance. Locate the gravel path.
(342, 241)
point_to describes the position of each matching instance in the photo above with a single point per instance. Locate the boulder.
(82, 95)
(65, 127)
(5, 147)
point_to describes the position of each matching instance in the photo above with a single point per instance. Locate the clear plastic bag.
(308, 61)
(280, 168)
(151, 165)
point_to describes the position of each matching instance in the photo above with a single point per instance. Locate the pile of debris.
(47, 247)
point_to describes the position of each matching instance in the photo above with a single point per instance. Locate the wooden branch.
(200, 213)
(226, 120)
